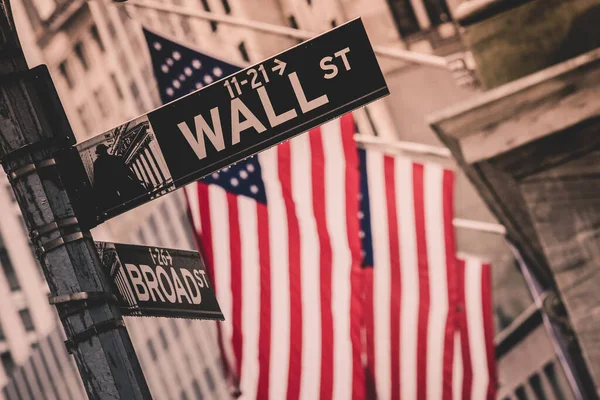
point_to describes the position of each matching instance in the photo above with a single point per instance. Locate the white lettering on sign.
(190, 282)
(141, 291)
(306, 105)
(162, 278)
(167, 284)
(240, 110)
(151, 283)
(274, 119)
(202, 128)
(328, 65)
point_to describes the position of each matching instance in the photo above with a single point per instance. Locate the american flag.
(474, 359)
(414, 286)
(409, 240)
(284, 235)
(279, 233)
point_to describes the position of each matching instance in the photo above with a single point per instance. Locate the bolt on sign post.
(223, 123)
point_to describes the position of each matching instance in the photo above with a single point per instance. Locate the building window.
(226, 6)
(80, 53)
(55, 360)
(437, 11)
(553, 378)
(535, 383)
(187, 227)
(197, 392)
(115, 83)
(124, 16)
(65, 71)
(409, 19)
(183, 395)
(163, 338)
(86, 118)
(9, 270)
(135, 92)
(209, 379)
(7, 362)
(26, 319)
(153, 225)
(2, 337)
(293, 22)
(173, 234)
(175, 328)
(520, 393)
(152, 350)
(244, 52)
(96, 36)
(309, 2)
(213, 24)
(141, 236)
(111, 28)
(187, 28)
(102, 102)
(11, 194)
(333, 23)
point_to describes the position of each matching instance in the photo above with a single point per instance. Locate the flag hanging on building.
(279, 235)
(474, 359)
(410, 276)
(429, 333)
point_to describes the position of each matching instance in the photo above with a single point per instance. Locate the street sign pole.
(33, 128)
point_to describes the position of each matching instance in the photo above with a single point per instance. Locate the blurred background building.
(99, 61)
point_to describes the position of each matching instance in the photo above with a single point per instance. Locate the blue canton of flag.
(180, 70)
(364, 213)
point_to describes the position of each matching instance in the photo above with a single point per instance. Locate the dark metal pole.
(33, 129)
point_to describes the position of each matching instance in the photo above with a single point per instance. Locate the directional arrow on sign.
(279, 67)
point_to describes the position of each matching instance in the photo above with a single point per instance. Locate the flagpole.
(410, 147)
(398, 54)
(487, 227)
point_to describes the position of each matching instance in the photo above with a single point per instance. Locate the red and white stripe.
(287, 275)
(410, 303)
(474, 362)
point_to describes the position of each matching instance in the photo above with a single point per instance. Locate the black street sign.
(223, 123)
(159, 282)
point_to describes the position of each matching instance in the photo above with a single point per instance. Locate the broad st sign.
(159, 282)
(225, 122)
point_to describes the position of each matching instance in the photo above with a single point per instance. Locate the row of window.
(82, 56)
(27, 323)
(535, 384)
(8, 363)
(104, 104)
(409, 20)
(195, 384)
(47, 373)
(170, 222)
